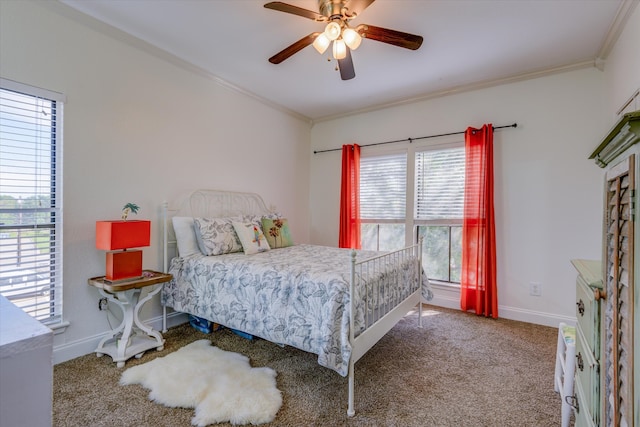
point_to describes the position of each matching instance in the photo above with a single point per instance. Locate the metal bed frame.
(216, 203)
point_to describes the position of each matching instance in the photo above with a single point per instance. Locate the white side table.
(131, 337)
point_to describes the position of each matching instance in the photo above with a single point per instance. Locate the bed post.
(165, 268)
(350, 411)
(420, 280)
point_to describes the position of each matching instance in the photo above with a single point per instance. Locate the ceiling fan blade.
(385, 35)
(294, 48)
(347, 72)
(295, 10)
(357, 6)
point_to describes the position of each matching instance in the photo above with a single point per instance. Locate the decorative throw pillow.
(253, 219)
(272, 215)
(251, 237)
(277, 232)
(257, 219)
(185, 235)
(216, 236)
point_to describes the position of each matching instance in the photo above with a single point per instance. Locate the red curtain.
(350, 198)
(478, 282)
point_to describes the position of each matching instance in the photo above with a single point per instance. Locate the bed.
(289, 294)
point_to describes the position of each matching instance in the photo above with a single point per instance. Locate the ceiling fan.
(337, 14)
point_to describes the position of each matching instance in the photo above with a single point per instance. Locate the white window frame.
(454, 141)
(52, 316)
(443, 222)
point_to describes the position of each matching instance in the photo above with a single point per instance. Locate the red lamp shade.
(113, 235)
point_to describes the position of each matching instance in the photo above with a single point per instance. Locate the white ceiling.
(467, 44)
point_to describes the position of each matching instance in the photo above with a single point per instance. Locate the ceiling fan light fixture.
(351, 38)
(332, 30)
(336, 15)
(321, 43)
(339, 49)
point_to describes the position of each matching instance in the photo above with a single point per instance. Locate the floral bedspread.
(298, 295)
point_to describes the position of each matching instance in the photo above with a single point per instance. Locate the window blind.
(30, 200)
(439, 192)
(383, 187)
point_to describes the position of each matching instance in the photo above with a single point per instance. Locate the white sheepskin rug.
(221, 385)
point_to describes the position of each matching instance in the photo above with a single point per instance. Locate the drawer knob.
(580, 305)
(580, 361)
(599, 294)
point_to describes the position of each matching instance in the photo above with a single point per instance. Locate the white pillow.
(185, 235)
(251, 237)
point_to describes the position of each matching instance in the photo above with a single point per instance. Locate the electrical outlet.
(535, 289)
(102, 304)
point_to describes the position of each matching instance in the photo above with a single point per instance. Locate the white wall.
(139, 129)
(547, 193)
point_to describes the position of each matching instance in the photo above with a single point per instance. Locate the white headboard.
(218, 204)
(207, 204)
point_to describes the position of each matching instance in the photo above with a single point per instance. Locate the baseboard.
(71, 350)
(536, 317)
(450, 298)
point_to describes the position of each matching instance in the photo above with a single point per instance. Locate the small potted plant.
(129, 208)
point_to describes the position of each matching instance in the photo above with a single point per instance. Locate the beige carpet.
(459, 370)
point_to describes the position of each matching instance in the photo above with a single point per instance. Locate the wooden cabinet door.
(617, 357)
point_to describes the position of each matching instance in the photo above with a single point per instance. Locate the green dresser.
(587, 380)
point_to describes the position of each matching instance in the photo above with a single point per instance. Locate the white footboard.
(382, 314)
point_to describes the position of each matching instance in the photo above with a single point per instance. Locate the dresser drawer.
(587, 313)
(582, 415)
(587, 374)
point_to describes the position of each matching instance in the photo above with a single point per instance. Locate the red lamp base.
(124, 265)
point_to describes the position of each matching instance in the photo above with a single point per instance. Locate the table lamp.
(122, 234)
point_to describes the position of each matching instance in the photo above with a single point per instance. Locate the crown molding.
(468, 88)
(625, 10)
(622, 16)
(115, 33)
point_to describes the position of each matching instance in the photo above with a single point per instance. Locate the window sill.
(58, 328)
(445, 285)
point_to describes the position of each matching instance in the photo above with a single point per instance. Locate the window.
(431, 207)
(439, 203)
(30, 199)
(383, 190)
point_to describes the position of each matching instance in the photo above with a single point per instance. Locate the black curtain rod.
(515, 125)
